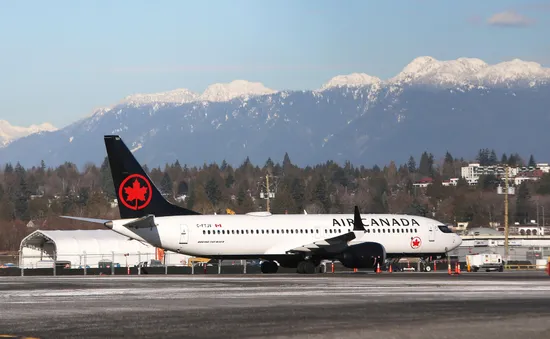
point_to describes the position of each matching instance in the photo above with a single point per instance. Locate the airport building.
(90, 248)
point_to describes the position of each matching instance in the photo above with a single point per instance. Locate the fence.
(116, 263)
(517, 255)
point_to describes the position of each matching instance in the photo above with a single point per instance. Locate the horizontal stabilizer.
(143, 222)
(97, 221)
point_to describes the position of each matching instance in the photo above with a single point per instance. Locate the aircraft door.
(184, 234)
(432, 233)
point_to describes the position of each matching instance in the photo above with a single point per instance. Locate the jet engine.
(364, 255)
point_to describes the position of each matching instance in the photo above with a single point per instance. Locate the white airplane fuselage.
(262, 235)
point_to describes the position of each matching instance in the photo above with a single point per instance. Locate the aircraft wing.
(335, 244)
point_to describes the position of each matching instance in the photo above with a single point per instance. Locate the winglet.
(357, 221)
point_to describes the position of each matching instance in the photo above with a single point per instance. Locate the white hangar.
(89, 247)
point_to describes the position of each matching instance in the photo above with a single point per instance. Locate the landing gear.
(425, 264)
(306, 267)
(269, 267)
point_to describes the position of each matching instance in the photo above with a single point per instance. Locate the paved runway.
(398, 305)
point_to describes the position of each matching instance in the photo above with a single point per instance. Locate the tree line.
(35, 197)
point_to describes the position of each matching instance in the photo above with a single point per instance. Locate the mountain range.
(457, 105)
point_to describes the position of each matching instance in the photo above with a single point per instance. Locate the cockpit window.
(445, 229)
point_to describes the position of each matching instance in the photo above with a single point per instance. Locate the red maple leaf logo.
(416, 242)
(135, 193)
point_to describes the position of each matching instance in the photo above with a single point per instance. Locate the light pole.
(268, 194)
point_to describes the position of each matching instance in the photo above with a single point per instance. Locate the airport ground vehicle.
(486, 261)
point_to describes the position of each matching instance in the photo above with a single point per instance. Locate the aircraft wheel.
(306, 267)
(428, 268)
(274, 267)
(269, 267)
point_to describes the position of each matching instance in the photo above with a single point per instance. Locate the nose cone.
(109, 224)
(457, 240)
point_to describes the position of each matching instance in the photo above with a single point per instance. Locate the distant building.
(424, 182)
(517, 175)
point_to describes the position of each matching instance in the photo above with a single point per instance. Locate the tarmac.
(341, 305)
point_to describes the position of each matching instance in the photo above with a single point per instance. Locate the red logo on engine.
(416, 242)
(138, 192)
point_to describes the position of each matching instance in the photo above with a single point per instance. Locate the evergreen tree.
(483, 157)
(183, 188)
(190, 201)
(166, 185)
(504, 159)
(223, 167)
(297, 191)
(269, 164)
(426, 164)
(229, 180)
(321, 194)
(532, 162)
(448, 167)
(493, 160)
(106, 179)
(411, 165)
(213, 191)
(512, 160)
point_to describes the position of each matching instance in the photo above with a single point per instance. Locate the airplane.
(300, 241)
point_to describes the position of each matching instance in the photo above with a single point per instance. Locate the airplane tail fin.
(137, 195)
(358, 221)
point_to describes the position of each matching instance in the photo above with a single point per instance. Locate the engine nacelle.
(364, 255)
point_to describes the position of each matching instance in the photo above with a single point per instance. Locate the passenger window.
(292, 231)
(208, 231)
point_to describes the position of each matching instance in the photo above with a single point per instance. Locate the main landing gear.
(269, 267)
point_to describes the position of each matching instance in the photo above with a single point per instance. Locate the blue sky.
(61, 59)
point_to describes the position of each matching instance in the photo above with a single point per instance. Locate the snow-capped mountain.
(235, 89)
(471, 72)
(458, 106)
(351, 80)
(9, 133)
(214, 93)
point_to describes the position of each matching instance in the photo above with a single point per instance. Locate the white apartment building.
(472, 172)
